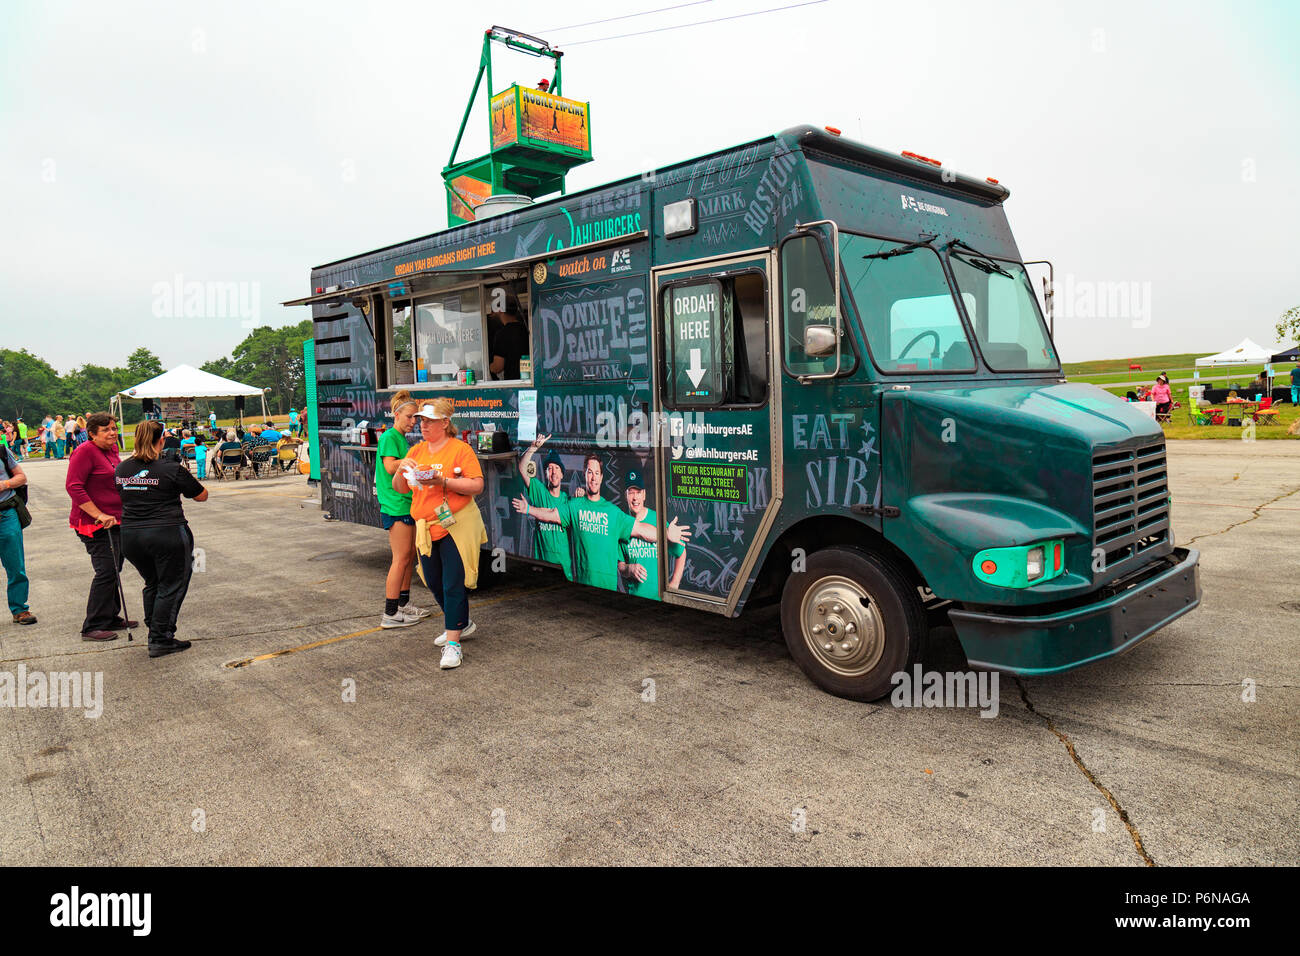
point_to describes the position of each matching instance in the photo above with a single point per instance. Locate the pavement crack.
(1092, 779)
(1236, 524)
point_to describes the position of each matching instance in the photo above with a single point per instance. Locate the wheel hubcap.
(842, 626)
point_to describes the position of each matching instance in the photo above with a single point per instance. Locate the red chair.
(1266, 414)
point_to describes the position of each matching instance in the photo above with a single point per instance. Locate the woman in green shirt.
(395, 515)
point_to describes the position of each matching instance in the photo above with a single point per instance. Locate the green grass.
(1179, 427)
(1220, 377)
(1155, 364)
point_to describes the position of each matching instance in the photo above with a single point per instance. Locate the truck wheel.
(851, 621)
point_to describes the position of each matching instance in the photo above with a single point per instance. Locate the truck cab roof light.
(917, 156)
(991, 180)
(832, 130)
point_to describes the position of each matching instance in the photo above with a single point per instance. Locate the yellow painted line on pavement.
(248, 661)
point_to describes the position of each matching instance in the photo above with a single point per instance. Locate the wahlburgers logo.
(607, 227)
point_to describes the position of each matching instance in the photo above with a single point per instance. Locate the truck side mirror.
(810, 293)
(819, 340)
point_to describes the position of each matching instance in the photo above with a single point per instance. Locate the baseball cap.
(634, 480)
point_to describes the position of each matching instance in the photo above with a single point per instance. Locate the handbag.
(18, 500)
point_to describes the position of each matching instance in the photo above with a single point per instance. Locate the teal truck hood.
(995, 465)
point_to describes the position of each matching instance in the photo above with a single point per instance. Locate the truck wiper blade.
(901, 250)
(983, 263)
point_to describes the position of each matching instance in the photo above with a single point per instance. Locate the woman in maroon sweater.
(96, 517)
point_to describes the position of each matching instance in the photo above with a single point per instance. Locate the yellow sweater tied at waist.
(468, 534)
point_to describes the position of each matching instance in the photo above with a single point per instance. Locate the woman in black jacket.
(155, 535)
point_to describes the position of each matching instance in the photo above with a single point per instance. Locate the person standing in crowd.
(21, 426)
(12, 555)
(156, 538)
(293, 421)
(395, 516)
(212, 419)
(1161, 395)
(1295, 386)
(192, 447)
(96, 516)
(550, 540)
(302, 424)
(446, 473)
(60, 436)
(47, 436)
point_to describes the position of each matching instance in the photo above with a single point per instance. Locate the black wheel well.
(814, 534)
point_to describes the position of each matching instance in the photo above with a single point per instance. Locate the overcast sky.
(1150, 148)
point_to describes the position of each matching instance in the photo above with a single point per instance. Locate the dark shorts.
(389, 520)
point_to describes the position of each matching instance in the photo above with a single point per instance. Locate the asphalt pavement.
(586, 727)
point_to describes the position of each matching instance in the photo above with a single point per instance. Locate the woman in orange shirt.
(429, 471)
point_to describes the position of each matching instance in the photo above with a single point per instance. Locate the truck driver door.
(714, 462)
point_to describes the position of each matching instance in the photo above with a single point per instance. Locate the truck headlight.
(1021, 566)
(1034, 563)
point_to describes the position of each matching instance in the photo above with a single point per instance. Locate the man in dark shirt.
(509, 343)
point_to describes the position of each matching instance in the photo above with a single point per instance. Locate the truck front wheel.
(851, 621)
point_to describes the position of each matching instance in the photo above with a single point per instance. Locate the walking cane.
(121, 594)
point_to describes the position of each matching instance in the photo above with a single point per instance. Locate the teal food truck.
(817, 368)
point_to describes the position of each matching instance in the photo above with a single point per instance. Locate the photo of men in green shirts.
(639, 567)
(550, 540)
(598, 529)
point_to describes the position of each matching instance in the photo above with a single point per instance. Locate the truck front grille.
(1130, 503)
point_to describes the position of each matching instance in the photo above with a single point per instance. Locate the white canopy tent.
(186, 383)
(1245, 352)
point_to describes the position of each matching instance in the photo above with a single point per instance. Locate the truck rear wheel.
(851, 621)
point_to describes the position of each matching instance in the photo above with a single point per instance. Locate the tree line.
(30, 388)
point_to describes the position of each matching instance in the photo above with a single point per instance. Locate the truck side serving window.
(400, 346)
(715, 332)
(906, 307)
(809, 300)
(449, 337)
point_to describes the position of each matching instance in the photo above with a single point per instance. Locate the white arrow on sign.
(695, 370)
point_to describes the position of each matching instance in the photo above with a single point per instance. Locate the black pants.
(164, 558)
(103, 607)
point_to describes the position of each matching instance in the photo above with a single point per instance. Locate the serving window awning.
(425, 280)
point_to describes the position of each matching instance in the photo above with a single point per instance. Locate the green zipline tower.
(537, 135)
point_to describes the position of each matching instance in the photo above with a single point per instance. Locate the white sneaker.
(398, 620)
(451, 656)
(409, 609)
(441, 639)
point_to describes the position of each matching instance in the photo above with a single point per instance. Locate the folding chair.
(1266, 414)
(231, 458)
(262, 456)
(287, 457)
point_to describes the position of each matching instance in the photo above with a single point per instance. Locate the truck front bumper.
(1109, 623)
